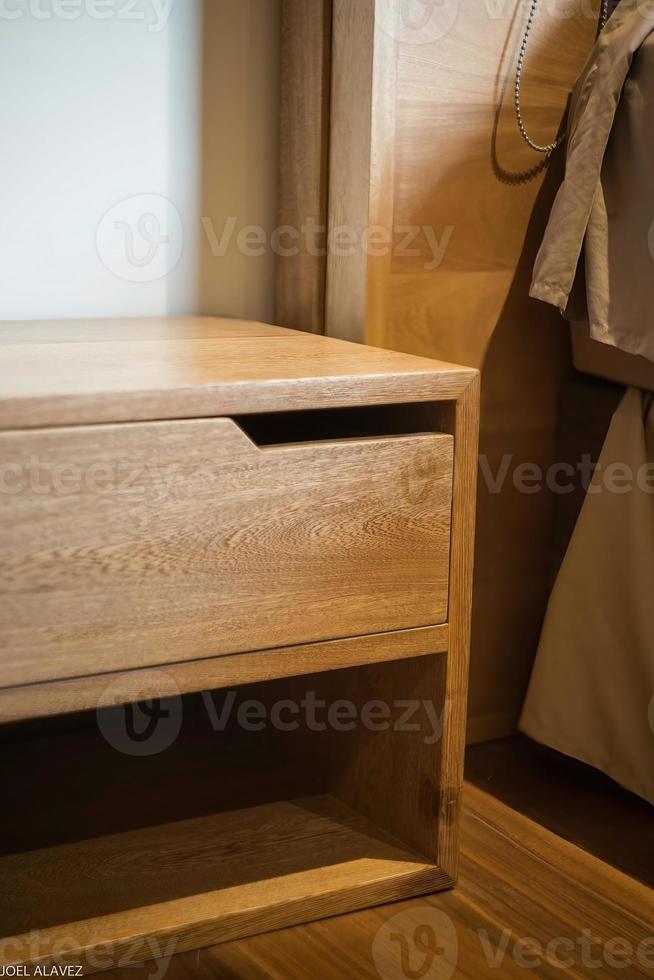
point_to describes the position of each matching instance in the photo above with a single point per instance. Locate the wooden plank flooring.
(528, 904)
(571, 799)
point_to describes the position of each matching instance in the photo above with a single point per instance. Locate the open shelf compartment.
(275, 804)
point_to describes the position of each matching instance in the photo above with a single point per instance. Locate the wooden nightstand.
(197, 504)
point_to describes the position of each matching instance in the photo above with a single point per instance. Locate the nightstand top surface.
(82, 372)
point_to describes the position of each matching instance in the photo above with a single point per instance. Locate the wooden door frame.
(337, 122)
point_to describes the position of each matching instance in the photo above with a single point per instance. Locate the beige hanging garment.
(592, 689)
(597, 257)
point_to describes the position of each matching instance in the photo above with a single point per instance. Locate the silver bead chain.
(549, 147)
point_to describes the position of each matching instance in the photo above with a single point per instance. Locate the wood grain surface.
(463, 420)
(561, 793)
(303, 162)
(394, 777)
(202, 881)
(63, 697)
(63, 373)
(353, 54)
(158, 543)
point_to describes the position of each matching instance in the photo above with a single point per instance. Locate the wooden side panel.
(361, 173)
(304, 147)
(464, 202)
(391, 771)
(463, 419)
(136, 545)
(349, 167)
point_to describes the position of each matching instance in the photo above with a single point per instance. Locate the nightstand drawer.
(132, 545)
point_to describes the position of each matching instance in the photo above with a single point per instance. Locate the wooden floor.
(529, 901)
(571, 799)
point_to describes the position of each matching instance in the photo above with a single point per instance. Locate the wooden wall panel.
(303, 172)
(361, 179)
(446, 177)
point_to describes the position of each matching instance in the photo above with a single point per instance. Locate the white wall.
(109, 109)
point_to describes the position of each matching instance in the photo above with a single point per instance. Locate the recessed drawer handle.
(419, 440)
(306, 428)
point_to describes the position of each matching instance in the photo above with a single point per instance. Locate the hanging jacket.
(596, 261)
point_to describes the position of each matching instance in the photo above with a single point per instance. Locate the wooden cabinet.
(202, 505)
